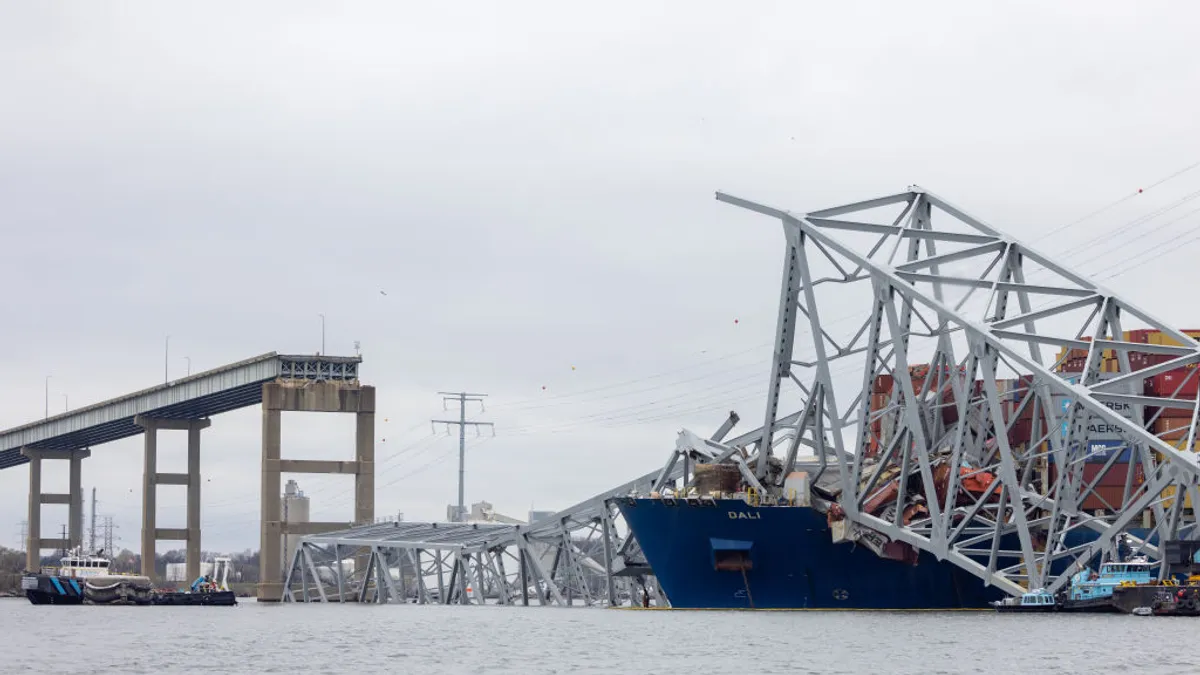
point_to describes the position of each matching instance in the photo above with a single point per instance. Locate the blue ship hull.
(792, 562)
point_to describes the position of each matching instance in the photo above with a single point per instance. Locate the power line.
(462, 398)
(1117, 202)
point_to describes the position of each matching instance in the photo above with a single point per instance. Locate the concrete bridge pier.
(151, 479)
(73, 499)
(310, 396)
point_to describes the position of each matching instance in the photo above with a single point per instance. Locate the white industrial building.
(177, 572)
(293, 507)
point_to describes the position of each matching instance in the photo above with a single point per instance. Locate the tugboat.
(1093, 592)
(1178, 594)
(1130, 587)
(83, 578)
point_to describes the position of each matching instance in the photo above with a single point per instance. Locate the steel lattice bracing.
(933, 285)
(576, 557)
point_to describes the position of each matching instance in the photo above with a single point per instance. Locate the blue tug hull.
(792, 562)
(45, 589)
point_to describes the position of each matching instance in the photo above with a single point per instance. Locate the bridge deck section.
(229, 387)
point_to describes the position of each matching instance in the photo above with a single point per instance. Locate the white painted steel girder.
(937, 286)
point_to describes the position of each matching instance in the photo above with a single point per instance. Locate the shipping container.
(1141, 335)
(1114, 477)
(1163, 413)
(1172, 428)
(1021, 431)
(1104, 497)
(1073, 365)
(1170, 492)
(1180, 444)
(883, 384)
(1157, 338)
(1178, 383)
(879, 401)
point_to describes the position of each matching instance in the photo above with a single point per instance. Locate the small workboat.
(1035, 601)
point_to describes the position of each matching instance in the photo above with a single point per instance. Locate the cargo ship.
(719, 546)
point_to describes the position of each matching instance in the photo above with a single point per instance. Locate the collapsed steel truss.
(936, 287)
(939, 287)
(582, 554)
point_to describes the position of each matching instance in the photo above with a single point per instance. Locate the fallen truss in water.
(936, 286)
(578, 555)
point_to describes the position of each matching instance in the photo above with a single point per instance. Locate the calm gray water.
(254, 638)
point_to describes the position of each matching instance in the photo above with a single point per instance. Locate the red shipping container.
(1114, 478)
(1173, 428)
(1185, 380)
(949, 407)
(1107, 498)
(1072, 365)
(879, 401)
(1142, 360)
(1022, 431)
(883, 384)
(1168, 413)
(1141, 335)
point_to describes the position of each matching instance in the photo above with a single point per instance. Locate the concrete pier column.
(149, 493)
(72, 499)
(151, 479)
(270, 586)
(193, 499)
(33, 547)
(331, 396)
(75, 521)
(364, 455)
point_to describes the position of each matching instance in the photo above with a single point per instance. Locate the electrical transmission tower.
(108, 535)
(462, 398)
(24, 535)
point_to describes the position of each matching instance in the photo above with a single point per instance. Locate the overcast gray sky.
(532, 185)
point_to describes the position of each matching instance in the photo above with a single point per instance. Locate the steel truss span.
(908, 409)
(582, 556)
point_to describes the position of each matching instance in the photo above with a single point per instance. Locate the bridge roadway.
(315, 383)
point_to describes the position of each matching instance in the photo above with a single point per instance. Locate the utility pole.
(322, 333)
(92, 530)
(462, 398)
(167, 360)
(47, 397)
